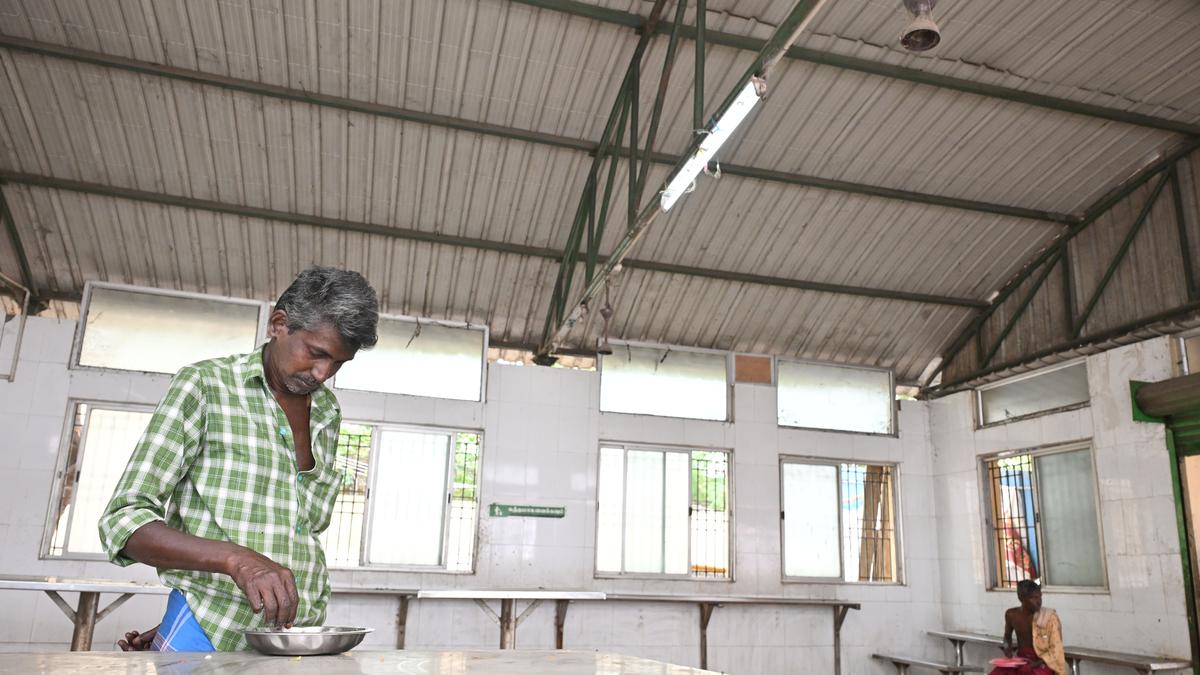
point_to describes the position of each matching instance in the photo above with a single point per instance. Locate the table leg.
(706, 609)
(402, 621)
(508, 624)
(560, 620)
(958, 651)
(85, 622)
(839, 615)
(1074, 665)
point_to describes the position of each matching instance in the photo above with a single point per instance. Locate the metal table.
(507, 662)
(508, 618)
(86, 613)
(708, 603)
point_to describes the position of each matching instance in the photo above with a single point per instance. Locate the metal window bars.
(343, 539)
(1014, 520)
(708, 515)
(868, 522)
(464, 503)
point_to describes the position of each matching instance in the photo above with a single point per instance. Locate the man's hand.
(270, 587)
(137, 642)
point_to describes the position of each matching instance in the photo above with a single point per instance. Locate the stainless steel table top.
(507, 662)
(468, 594)
(67, 584)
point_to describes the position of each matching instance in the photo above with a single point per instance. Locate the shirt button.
(300, 477)
(283, 432)
(299, 529)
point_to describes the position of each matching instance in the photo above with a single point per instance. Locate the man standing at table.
(234, 479)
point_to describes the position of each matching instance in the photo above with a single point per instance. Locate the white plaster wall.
(33, 409)
(1144, 608)
(541, 429)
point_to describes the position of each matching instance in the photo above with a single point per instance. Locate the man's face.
(1032, 601)
(302, 360)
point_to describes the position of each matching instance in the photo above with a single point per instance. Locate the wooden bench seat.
(903, 662)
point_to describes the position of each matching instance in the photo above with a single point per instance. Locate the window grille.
(664, 512)
(839, 521)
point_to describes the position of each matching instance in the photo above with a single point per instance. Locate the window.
(665, 382)
(420, 359)
(127, 328)
(101, 439)
(663, 512)
(1190, 348)
(841, 398)
(409, 498)
(1056, 388)
(1042, 518)
(838, 521)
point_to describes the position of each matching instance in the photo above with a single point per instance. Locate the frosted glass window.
(408, 498)
(663, 512)
(611, 510)
(419, 359)
(99, 448)
(811, 529)
(675, 518)
(843, 398)
(1070, 531)
(644, 512)
(1049, 390)
(151, 332)
(665, 382)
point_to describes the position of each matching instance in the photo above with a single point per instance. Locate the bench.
(960, 638)
(903, 662)
(1144, 664)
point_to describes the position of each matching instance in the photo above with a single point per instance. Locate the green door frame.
(1185, 547)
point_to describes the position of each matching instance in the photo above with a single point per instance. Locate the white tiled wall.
(1144, 609)
(541, 433)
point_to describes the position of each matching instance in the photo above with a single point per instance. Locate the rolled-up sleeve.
(160, 460)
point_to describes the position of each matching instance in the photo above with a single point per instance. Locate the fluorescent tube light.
(721, 131)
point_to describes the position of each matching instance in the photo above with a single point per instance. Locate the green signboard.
(507, 510)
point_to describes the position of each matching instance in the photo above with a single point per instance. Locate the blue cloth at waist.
(180, 631)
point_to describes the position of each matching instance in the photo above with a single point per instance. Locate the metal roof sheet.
(507, 64)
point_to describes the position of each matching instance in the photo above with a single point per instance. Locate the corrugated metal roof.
(507, 64)
(1138, 55)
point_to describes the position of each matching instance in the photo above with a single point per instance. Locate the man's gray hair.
(339, 298)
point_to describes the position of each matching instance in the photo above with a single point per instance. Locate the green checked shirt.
(218, 461)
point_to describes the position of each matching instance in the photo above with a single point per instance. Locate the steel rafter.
(34, 303)
(560, 321)
(1162, 167)
(1090, 306)
(631, 20)
(1185, 246)
(469, 126)
(1180, 312)
(161, 199)
(624, 113)
(1020, 310)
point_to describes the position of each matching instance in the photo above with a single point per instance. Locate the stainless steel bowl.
(306, 641)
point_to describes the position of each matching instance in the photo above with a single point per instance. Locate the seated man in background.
(1039, 635)
(234, 478)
